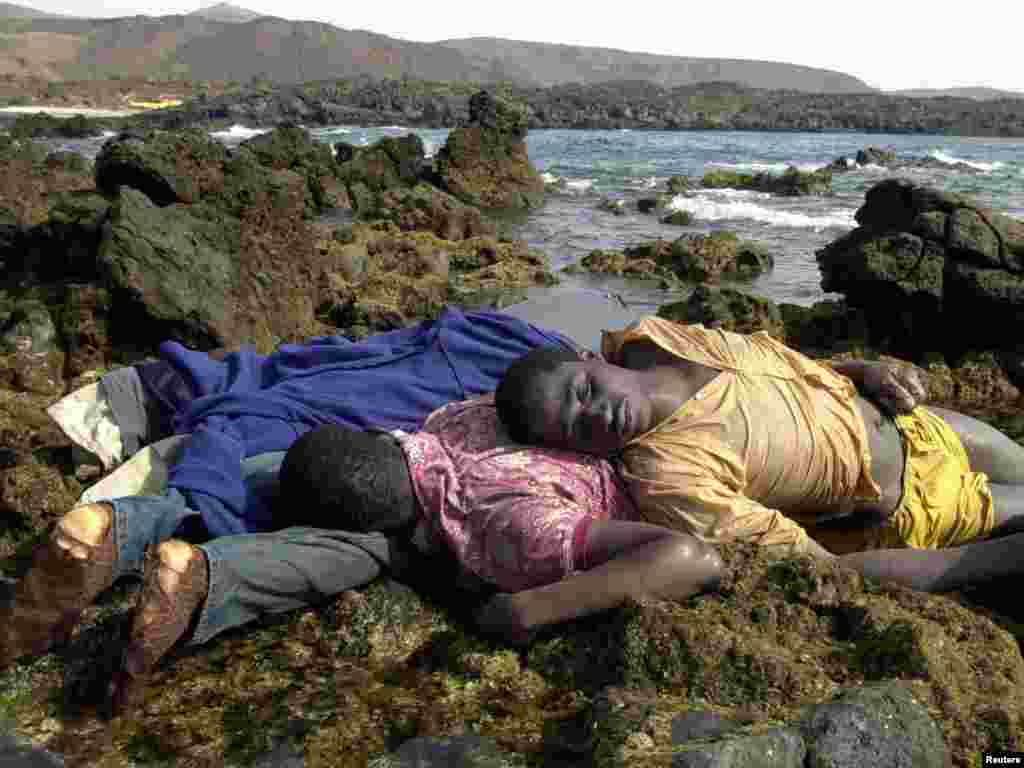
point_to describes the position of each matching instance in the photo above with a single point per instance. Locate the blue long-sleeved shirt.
(249, 404)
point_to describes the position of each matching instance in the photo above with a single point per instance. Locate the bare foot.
(176, 583)
(68, 571)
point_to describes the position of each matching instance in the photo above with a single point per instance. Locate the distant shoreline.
(70, 111)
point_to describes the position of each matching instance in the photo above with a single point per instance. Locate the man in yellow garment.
(733, 437)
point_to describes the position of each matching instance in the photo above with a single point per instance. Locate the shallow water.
(591, 165)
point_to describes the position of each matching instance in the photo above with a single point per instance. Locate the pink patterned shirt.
(515, 516)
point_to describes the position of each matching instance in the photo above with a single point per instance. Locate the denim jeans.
(250, 574)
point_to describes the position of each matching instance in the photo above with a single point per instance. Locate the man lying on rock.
(517, 519)
(732, 437)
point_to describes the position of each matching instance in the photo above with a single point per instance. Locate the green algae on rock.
(485, 162)
(792, 183)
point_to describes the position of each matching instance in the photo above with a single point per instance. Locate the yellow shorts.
(944, 503)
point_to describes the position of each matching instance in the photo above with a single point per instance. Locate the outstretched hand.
(897, 389)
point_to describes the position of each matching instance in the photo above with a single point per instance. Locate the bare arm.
(626, 560)
(942, 570)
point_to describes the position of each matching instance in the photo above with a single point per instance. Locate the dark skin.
(597, 407)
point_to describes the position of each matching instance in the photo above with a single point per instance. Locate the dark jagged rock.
(427, 208)
(709, 258)
(485, 162)
(825, 328)
(177, 267)
(693, 258)
(64, 247)
(728, 309)
(289, 147)
(921, 261)
(887, 158)
(168, 168)
(652, 204)
(387, 163)
(875, 156)
(879, 724)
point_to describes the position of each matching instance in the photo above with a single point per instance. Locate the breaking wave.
(745, 205)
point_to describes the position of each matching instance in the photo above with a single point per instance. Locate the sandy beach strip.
(70, 111)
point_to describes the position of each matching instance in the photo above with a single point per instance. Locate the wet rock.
(485, 163)
(175, 267)
(904, 277)
(773, 748)
(709, 258)
(28, 187)
(289, 147)
(31, 355)
(728, 309)
(466, 751)
(677, 185)
(878, 724)
(875, 156)
(652, 204)
(618, 207)
(387, 163)
(85, 327)
(825, 328)
(678, 219)
(701, 725)
(178, 167)
(64, 247)
(426, 208)
(792, 183)
(68, 161)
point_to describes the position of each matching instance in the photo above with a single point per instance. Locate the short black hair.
(518, 394)
(333, 477)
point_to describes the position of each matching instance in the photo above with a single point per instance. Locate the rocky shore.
(790, 664)
(634, 105)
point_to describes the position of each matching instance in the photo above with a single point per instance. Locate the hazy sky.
(891, 45)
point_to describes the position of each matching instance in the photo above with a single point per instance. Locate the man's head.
(552, 397)
(334, 477)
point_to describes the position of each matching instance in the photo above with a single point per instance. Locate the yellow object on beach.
(161, 104)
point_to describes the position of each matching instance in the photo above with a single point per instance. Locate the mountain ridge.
(224, 41)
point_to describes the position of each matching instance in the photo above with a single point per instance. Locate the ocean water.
(591, 165)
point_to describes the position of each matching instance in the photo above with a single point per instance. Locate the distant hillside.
(228, 13)
(548, 64)
(226, 42)
(978, 93)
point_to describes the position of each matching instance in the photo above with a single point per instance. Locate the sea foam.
(777, 169)
(739, 205)
(238, 133)
(942, 157)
